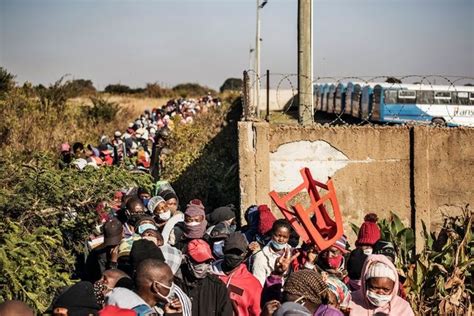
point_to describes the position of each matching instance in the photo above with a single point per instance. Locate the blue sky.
(174, 41)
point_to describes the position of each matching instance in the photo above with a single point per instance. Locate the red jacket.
(244, 289)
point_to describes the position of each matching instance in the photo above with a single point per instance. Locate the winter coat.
(264, 263)
(208, 296)
(244, 289)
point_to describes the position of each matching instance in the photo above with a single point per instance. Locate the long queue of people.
(136, 146)
(151, 258)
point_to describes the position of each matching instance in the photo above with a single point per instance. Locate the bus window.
(424, 97)
(442, 97)
(406, 96)
(390, 96)
(462, 98)
(471, 97)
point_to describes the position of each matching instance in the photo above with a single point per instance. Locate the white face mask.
(170, 295)
(165, 216)
(192, 223)
(368, 251)
(378, 299)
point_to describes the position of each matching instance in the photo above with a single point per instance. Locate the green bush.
(7, 81)
(232, 84)
(34, 264)
(192, 90)
(439, 277)
(102, 110)
(48, 214)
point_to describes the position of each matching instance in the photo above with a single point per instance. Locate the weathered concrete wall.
(279, 99)
(444, 172)
(375, 169)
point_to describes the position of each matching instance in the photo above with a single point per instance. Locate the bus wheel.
(438, 121)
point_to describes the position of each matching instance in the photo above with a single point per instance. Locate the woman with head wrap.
(304, 293)
(195, 225)
(379, 288)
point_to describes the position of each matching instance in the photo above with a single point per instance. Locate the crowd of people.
(147, 256)
(152, 258)
(144, 138)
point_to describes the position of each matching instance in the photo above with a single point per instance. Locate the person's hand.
(254, 246)
(114, 253)
(174, 307)
(270, 308)
(282, 264)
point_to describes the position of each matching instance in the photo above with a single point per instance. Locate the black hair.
(77, 147)
(142, 191)
(280, 223)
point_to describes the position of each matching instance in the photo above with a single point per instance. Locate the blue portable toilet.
(330, 98)
(339, 98)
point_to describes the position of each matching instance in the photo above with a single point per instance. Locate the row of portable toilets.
(354, 99)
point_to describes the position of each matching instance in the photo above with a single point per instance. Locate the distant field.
(135, 105)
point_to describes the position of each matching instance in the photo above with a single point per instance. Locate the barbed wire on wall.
(381, 100)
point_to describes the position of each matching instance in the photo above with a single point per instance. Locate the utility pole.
(305, 62)
(257, 60)
(257, 56)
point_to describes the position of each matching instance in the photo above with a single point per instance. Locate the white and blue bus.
(409, 103)
(399, 103)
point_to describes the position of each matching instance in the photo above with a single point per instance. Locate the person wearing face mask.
(144, 195)
(155, 286)
(304, 293)
(369, 234)
(264, 261)
(107, 283)
(170, 221)
(208, 294)
(195, 225)
(379, 288)
(158, 207)
(244, 289)
(332, 260)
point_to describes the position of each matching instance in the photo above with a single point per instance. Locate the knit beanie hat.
(341, 244)
(266, 219)
(79, 300)
(380, 270)
(369, 231)
(144, 249)
(307, 283)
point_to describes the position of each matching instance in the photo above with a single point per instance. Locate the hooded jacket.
(361, 306)
(244, 289)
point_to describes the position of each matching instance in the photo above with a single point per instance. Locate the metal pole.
(267, 118)
(257, 62)
(305, 62)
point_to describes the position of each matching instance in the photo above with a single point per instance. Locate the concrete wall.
(279, 99)
(375, 169)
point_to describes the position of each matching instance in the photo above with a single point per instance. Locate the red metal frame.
(319, 229)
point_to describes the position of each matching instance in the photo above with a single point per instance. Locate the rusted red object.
(314, 225)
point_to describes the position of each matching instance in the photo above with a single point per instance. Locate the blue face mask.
(276, 245)
(145, 202)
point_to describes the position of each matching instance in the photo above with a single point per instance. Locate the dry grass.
(134, 105)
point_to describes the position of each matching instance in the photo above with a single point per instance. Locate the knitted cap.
(341, 244)
(380, 270)
(307, 283)
(194, 210)
(266, 219)
(369, 231)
